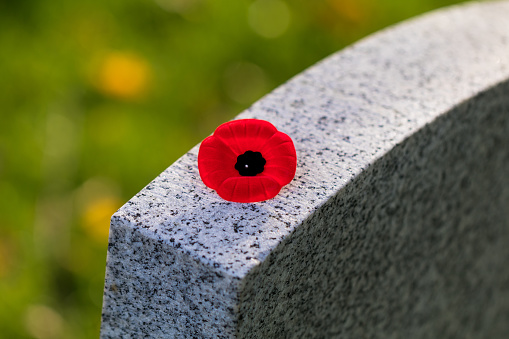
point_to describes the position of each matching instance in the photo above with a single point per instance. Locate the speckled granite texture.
(416, 246)
(182, 263)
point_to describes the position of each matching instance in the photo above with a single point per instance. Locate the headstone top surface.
(342, 114)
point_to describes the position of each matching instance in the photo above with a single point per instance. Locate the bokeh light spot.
(60, 136)
(269, 18)
(245, 82)
(177, 6)
(43, 322)
(124, 75)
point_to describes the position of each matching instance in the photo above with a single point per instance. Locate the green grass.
(98, 97)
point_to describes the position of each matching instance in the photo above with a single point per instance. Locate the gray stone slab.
(181, 261)
(416, 246)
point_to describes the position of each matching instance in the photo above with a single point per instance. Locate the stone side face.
(154, 291)
(417, 246)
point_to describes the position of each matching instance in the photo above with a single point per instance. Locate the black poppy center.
(250, 163)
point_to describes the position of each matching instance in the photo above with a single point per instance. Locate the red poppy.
(247, 160)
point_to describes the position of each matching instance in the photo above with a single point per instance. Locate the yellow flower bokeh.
(123, 75)
(96, 217)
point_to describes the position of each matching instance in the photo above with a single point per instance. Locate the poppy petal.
(248, 189)
(219, 153)
(245, 134)
(279, 152)
(279, 144)
(282, 169)
(216, 162)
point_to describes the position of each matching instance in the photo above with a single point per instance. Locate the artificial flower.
(247, 160)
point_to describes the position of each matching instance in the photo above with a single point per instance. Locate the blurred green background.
(98, 97)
